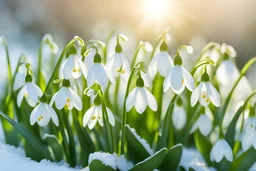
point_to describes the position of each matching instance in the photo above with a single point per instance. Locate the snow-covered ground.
(13, 159)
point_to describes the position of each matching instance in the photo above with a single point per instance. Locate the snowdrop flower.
(249, 135)
(146, 46)
(162, 62)
(88, 60)
(140, 97)
(227, 73)
(66, 97)
(95, 114)
(205, 93)
(204, 125)
(178, 78)
(73, 66)
(179, 116)
(118, 64)
(98, 73)
(30, 91)
(51, 43)
(220, 150)
(42, 114)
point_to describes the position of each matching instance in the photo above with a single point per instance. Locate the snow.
(141, 140)
(112, 160)
(192, 158)
(13, 159)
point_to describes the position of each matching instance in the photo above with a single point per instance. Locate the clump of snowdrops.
(118, 113)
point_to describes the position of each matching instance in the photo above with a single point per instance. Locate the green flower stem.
(72, 148)
(39, 64)
(205, 49)
(105, 50)
(124, 115)
(106, 122)
(116, 94)
(136, 55)
(60, 60)
(65, 143)
(242, 73)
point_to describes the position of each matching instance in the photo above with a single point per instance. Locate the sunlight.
(156, 9)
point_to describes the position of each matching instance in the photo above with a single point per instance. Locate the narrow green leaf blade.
(53, 142)
(97, 165)
(245, 160)
(172, 158)
(203, 145)
(151, 162)
(230, 135)
(26, 134)
(136, 150)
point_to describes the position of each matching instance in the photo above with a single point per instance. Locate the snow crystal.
(141, 140)
(112, 160)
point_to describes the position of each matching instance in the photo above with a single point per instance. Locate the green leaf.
(36, 143)
(151, 162)
(136, 150)
(203, 145)
(172, 158)
(53, 142)
(97, 165)
(230, 134)
(245, 160)
(166, 128)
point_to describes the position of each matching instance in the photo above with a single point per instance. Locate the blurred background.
(191, 22)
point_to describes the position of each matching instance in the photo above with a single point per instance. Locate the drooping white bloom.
(74, 67)
(179, 117)
(42, 114)
(227, 73)
(249, 134)
(98, 73)
(31, 92)
(66, 97)
(178, 79)
(140, 98)
(220, 150)
(205, 93)
(162, 62)
(118, 65)
(204, 125)
(95, 114)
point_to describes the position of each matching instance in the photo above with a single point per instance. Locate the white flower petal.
(130, 101)
(34, 92)
(61, 97)
(21, 95)
(179, 117)
(44, 114)
(164, 63)
(76, 100)
(247, 140)
(140, 101)
(34, 115)
(82, 67)
(167, 82)
(68, 67)
(151, 100)
(91, 77)
(213, 94)
(53, 116)
(195, 95)
(101, 75)
(152, 67)
(177, 80)
(188, 79)
(111, 117)
(94, 117)
(205, 125)
(87, 116)
(100, 115)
